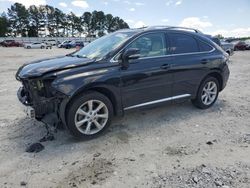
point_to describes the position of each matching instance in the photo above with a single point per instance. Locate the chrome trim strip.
(158, 101)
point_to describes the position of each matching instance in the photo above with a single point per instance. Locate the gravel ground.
(169, 146)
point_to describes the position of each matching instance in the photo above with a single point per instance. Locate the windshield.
(99, 48)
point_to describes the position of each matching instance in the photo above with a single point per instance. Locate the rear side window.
(181, 43)
(204, 47)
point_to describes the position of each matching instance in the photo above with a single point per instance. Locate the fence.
(40, 39)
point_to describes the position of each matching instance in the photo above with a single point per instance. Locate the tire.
(28, 47)
(42, 47)
(209, 95)
(87, 128)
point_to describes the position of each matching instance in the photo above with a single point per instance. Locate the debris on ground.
(205, 176)
(211, 142)
(246, 138)
(96, 172)
(35, 148)
(23, 183)
(97, 154)
(75, 162)
(49, 137)
(179, 150)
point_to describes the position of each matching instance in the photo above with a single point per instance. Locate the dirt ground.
(169, 146)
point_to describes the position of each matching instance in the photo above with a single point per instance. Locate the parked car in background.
(73, 44)
(11, 43)
(122, 71)
(240, 45)
(52, 42)
(248, 44)
(61, 45)
(216, 40)
(227, 47)
(36, 45)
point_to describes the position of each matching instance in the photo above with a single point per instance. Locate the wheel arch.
(115, 100)
(214, 73)
(218, 76)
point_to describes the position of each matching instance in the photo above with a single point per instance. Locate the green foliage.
(219, 36)
(4, 24)
(45, 20)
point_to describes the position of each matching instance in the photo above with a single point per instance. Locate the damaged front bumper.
(41, 108)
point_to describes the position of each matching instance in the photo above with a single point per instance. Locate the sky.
(226, 17)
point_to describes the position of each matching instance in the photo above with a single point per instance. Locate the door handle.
(165, 66)
(204, 61)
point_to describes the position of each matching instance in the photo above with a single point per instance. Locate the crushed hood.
(41, 67)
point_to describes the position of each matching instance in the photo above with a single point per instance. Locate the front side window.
(150, 45)
(181, 43)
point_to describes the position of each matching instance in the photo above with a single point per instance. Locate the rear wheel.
(89, 115)
(42, 47)
(207, 93)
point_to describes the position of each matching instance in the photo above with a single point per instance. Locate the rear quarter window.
(204, 47)
(182, 43)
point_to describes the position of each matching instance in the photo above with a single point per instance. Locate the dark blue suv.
(125, 70)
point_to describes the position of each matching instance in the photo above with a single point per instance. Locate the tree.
(86, 22)
(74, 24)
(219, 36)
(34, 20)
(98, 22)
(45, 20)
(4, 24)
(18, 19)
(59, 18)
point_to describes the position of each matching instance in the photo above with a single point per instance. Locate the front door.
(147, 79)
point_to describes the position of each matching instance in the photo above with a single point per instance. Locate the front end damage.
(43, 99)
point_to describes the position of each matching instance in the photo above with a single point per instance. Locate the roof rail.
(187, 28)
(175, 27)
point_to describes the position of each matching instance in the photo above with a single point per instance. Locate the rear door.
(147, 79)
(189, 63)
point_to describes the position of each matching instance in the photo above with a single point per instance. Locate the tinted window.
(204, 47)
(181, 43)
(150, 45)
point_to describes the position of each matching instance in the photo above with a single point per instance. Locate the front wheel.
(89, 115)
(207, 93)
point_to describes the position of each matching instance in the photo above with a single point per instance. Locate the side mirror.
(131, 53)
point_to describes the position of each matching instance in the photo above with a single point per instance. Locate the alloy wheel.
(209, 93)
(91, 117)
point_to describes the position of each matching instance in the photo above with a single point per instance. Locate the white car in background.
(53, 42)
(37, 45)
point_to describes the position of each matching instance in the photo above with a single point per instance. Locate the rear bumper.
(231, 52)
